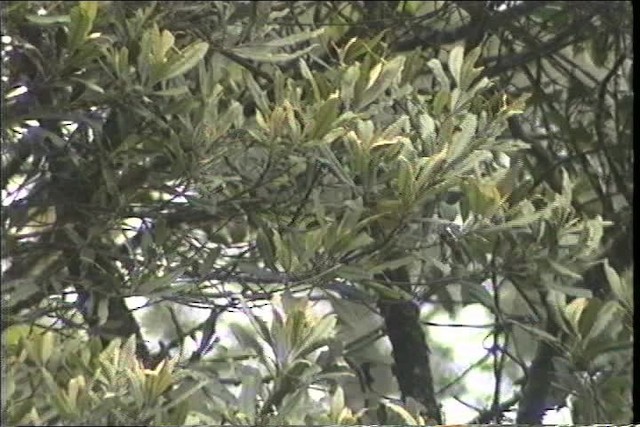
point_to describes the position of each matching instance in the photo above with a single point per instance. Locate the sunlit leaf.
(456, 57)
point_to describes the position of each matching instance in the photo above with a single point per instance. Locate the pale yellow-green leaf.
(427, 132)
(617, 285)
(608, 313)
(290, 40)
(557, 305)
(469, 72)
(318, 335)
(184, 61)
(325, 117)
(247, 338)
(347, 84)
(396, 128)
(573, 312)
(456, 57)
(164, 43)
(405, 417)
(406, 183)
(307, 74)
(440, 101)
(462, 139)
(437, 69)
(373, 75)
(82, 17)
(262, 55)
(389, 73)
(336, 405)
(563, 270)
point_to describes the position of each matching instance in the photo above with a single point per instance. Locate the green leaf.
(257, 93)
(406, 181)
(317, 336)
(347, 84)
(158, 284)
(247, 338)
(174, 91)
(353, 243)
(82, 17)
(164, 42)
(394, 129)
(334, 164)
(615, 282)
(440, 101)
(290, 40)
(207, 264)
(469, 72)
(89, 84)
(437, 69)
(17, 290)
(266, 249)
(263, 55)
(102, 311)
(427, 132)
(570, 290)
(182, 62)
(573, 312)
(326, 115)
(392, 265)
(456, 57)
(461, 140)
(557, 304)
(389, 73)
(283, 253)
(608, 313)
(251, 381)
(521, 221)
(474, 291)
(49, 19)
(258, 324)
(544, 335)
(405, 417)
(307, 74)
(562, 270)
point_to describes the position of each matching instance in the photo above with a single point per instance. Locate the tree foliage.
(384, 157)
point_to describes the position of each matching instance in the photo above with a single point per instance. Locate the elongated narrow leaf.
(185, 61)
(456, 57)
(571, 290)
(461, 140)
(405, 417)
(289, 40)
(477, 293)
(307, 74)
(562, 270)
(251, 380)
(49, 19)
(609, 312)
(437, 69)
(261, 55)
(469, 72)
(247, 338)
(390, 72)
(325, 117)
(82, 17)
(615, 282)
(393, 264)
(318, 336)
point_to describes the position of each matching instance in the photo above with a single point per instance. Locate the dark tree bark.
(410, 350)
(535, 394)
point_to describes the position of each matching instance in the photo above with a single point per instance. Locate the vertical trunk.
(410, 351)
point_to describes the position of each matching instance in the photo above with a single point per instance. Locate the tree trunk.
(410, 351)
